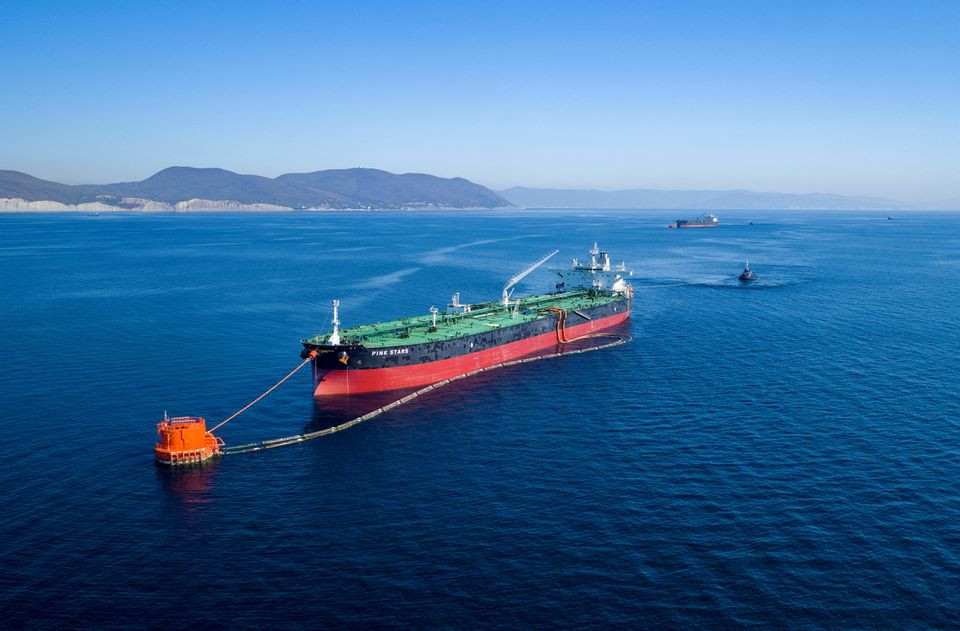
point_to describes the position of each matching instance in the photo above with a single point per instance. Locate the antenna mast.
(334, 338)
(516, 279)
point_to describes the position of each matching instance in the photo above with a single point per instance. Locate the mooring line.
(271, 389)
(620, 338)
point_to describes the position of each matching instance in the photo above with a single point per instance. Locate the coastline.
(15, 205)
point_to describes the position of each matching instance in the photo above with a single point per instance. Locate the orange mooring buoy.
(184, 440)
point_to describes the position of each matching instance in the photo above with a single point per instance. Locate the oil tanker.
(589, 297)
(703, 221)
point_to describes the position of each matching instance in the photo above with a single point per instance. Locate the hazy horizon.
(839, 98)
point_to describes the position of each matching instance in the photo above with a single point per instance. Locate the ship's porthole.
(471, 344)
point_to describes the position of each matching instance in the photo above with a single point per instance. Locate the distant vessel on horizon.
(707, 220)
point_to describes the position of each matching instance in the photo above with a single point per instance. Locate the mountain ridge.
(173, 187)
(194, 189)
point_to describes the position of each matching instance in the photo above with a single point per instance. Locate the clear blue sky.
(846, 97)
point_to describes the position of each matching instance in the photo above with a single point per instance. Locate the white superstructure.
(595, 274)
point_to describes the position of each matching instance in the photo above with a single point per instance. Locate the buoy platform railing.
(185, 441)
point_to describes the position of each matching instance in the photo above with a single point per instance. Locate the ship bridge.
(597, 274)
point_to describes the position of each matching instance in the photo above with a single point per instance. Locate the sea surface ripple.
(777, 455)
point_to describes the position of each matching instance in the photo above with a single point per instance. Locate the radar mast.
(334, 338)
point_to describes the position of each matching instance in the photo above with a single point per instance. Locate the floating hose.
(562, 328)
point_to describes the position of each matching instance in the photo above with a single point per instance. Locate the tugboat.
(747, 274)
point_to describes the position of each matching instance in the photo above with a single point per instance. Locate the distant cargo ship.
(703, 221)
(591, 296)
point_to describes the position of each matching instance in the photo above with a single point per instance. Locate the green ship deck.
(482, 317)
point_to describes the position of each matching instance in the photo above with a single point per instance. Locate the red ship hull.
(357, 381)
(698, 225)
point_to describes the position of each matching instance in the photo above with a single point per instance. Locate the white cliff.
(131, 204)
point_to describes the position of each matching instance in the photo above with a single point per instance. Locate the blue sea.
(783, 454)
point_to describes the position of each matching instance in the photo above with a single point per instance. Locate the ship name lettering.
(390, 351)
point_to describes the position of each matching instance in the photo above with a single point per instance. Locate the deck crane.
(516, 279)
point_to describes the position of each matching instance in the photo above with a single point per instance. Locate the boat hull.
(340, 381)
